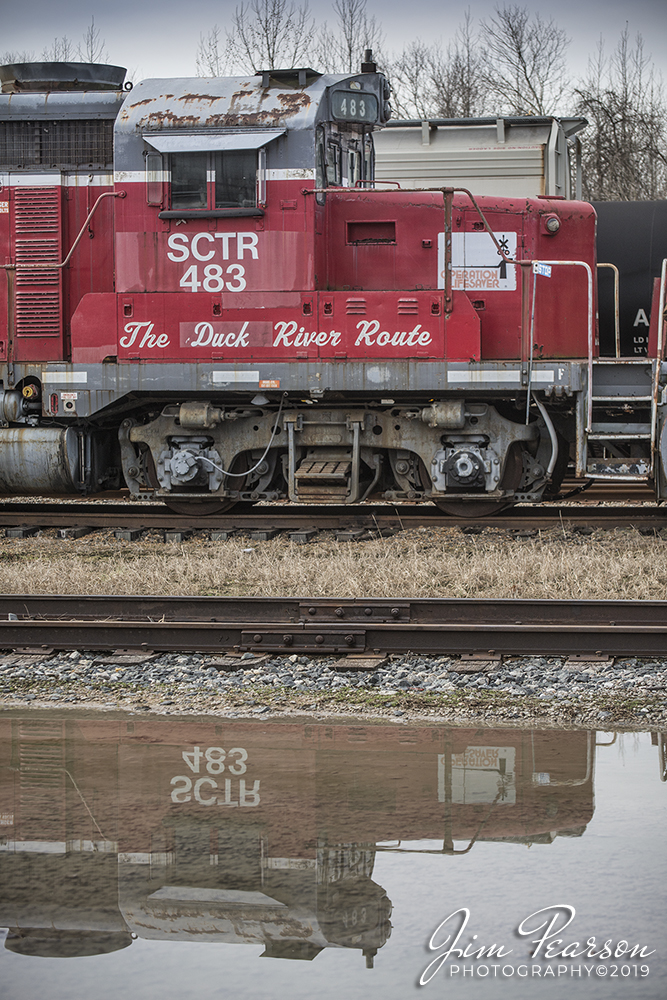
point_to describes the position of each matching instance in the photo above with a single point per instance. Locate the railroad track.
(26, 519)
(340, 627)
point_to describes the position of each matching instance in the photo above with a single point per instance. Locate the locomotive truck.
(205, 298)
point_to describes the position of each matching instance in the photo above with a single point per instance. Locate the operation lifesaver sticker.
(476, 263)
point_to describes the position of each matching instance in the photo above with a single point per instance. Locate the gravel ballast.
(629, 693)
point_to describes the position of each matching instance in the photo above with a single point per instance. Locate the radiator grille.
(60, 144)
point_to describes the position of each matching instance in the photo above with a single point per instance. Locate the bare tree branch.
(16, 56)
(268, 34)
(625, 145)
(429, 83)
(524, 62)
(340, 49)
(457, 79)
(411, 80)
(60, 50)
(93, 49)
(211, 57)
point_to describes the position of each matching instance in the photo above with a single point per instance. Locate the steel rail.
(246, 517)
(326, 626)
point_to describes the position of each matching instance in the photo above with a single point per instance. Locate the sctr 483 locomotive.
(204, 298)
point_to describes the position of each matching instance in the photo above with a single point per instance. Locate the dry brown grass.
(440, 562)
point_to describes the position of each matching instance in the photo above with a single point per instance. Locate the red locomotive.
(234, 311)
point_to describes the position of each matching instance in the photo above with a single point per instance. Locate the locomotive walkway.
(353, 628)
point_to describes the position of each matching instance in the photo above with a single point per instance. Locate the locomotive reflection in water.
(204, 299)
(253, 833)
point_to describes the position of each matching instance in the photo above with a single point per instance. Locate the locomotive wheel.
(187, 508)
(199, 508)
(487, 508)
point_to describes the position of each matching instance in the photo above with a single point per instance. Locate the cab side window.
(214, 180)
(235, 175)
(334, 164)
(189, 180)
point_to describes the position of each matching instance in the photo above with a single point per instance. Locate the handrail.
(65, 262)
(617, 309)
(574, 782)
(589, 274)
(12, 269)
(658, 364)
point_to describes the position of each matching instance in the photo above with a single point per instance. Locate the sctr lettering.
(204, 246)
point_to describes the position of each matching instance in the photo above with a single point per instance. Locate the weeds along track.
(352, 628)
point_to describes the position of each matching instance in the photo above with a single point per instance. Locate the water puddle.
(178, 858)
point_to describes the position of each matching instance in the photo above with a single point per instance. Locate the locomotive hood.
(288, 99)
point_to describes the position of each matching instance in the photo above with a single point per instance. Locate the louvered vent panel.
(38, 241)
(37, 210)
(40, 729)
(42, 781)
(46, 251)
(355, 307)
(38, 314)
(408, 307)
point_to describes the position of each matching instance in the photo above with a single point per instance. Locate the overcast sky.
(159, 37)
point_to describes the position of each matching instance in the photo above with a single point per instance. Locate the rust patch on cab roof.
(190, 98)
(294, 103)
(254, 119)
(289, 106)
(160, 119)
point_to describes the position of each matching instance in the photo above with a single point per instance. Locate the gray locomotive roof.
(60, 105)
(226, 103)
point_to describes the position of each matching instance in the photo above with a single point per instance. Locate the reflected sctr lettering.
(248, 796)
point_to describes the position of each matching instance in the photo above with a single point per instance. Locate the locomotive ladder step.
(622, 399)
(329, 472)
(619, 469)
(611, 428)
(323, 482)
(624, 436)
(616, 477)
